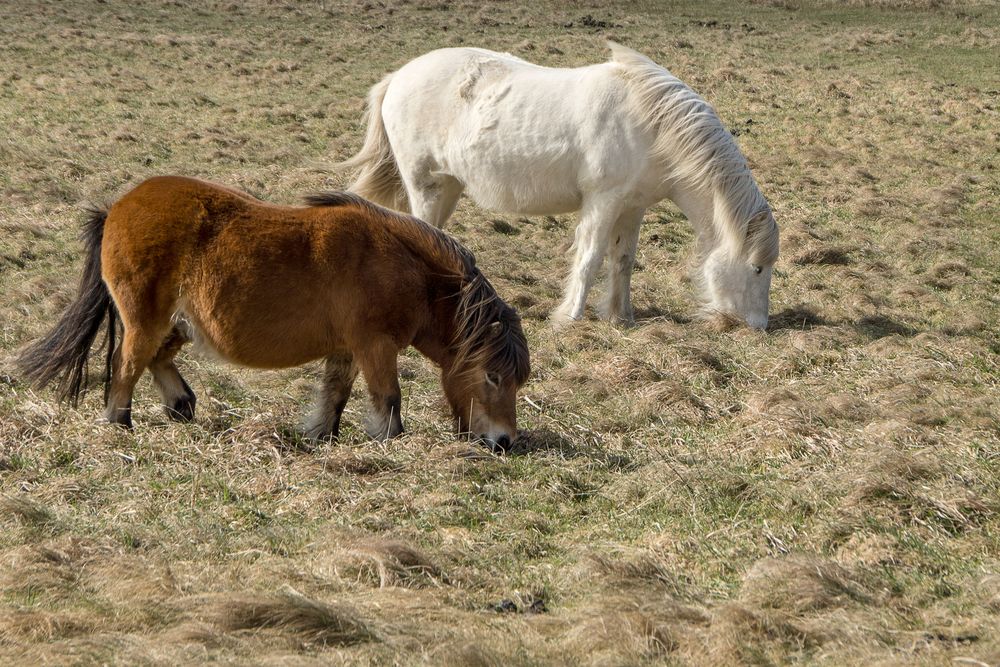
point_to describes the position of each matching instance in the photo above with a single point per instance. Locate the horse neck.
(434, 340)
(698, 205)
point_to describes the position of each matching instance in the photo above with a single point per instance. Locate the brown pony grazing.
(273, 286)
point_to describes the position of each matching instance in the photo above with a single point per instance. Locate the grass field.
(824, 492)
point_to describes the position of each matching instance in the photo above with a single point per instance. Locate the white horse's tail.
(377, 176)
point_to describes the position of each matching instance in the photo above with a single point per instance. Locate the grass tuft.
(290, 611)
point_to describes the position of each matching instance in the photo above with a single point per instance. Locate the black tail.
(62, 355)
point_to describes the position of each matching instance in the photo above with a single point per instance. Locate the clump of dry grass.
(913, 489)
(742, 634)
(55, 568)
(644, 570)
(289, 611)
(823, 255)
(27, 511)
(386, 563)
(28, 625)
(893, 473)
(635, 630)
(800, 583)
(721, 322)
(947, 274)
(469, 654)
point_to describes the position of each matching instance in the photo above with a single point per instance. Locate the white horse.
(608, 140)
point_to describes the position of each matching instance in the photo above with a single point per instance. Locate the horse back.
(266, 285)
(520, 137)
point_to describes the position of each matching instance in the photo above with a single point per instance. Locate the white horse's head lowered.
(736, 277)
(709, 178)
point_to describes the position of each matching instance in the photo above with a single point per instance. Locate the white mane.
(699, 150)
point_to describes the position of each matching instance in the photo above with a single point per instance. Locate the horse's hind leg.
(178, 398)
(138, 349)
(338, 378)
(622, 245)
(596, 220)
(145, 309)
(378, 364)
(433, 197)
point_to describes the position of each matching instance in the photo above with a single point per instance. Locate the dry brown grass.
(291, 612)
(684, 491)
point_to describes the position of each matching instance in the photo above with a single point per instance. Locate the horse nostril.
(503, 442)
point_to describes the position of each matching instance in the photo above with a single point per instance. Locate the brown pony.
(179, 259)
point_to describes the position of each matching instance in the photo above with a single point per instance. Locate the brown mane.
(488, 331)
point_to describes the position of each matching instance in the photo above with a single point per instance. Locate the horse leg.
(622, 244)
(596, 220)
(338, 378)
(138, 349)
(178, 398)
(378, 364)
(145, 304)
(433, 198)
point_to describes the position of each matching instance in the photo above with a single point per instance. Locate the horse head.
(737, 277)
(490, 364)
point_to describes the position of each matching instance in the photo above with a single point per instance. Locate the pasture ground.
(826, 492)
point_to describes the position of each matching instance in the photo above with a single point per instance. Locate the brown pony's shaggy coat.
(273, 286)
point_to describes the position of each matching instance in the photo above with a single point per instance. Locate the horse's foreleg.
(338, 378)
(378, 364)
(596, 220)
(622, 244)
(178, 398)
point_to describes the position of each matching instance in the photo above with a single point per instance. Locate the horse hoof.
(182, 409)
(320, 434)
(123, 422)
(560, 319)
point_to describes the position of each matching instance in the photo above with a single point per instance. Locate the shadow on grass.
(880, 326)
(796, 317)
(871, 327)
(651, 314)
(546, 441)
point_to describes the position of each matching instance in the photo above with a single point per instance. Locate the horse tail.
(377, 177)
(62, 354)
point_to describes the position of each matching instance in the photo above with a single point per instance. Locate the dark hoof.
(123, 419)
(501, 446)
(182, 410)
(322, 435)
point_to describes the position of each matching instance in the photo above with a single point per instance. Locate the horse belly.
(271, 340)
(269, 313)
(519, 163)
(504, 190)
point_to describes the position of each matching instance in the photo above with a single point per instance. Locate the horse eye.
(493, 380)
(757, 269)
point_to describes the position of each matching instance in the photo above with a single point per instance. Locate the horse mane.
(488, 331)
(701, 151)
